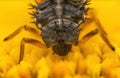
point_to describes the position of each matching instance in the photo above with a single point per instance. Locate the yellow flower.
(93, 60)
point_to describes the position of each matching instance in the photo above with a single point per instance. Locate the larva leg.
(99, 29)
(29, 41)
(27, 28)
(88, 36)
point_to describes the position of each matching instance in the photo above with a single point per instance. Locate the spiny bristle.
(79, 30)
(32, 17)
(33, 22)
(32, 6)
(86, 18)
(76, 28)
(70, 24)
(55, 23)
(86, 10)
(36, 2)
(32, 13)
(87, 2)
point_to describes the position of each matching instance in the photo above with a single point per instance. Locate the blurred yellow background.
(14, 13)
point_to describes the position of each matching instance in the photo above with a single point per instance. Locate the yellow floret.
(20, 71)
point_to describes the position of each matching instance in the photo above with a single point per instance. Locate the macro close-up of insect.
(60, 23)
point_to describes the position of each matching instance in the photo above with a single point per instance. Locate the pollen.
(92, 59)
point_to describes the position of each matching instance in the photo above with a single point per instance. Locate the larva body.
(60, 20)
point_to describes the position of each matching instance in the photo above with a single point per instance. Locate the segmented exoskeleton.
(60, 20)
